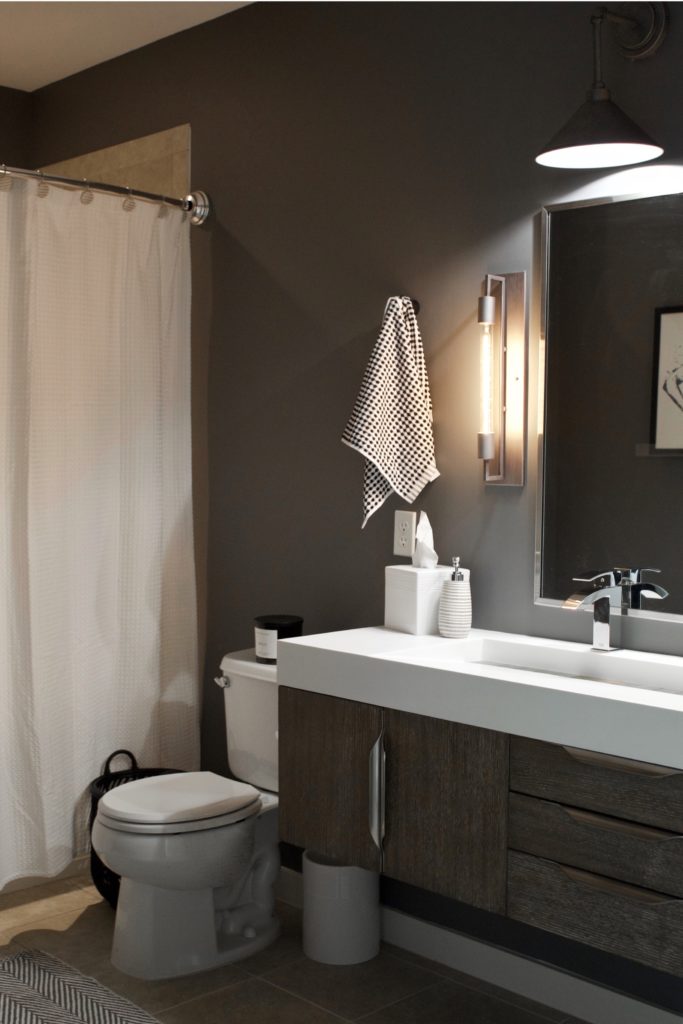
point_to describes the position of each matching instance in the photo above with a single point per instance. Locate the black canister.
(268, 629)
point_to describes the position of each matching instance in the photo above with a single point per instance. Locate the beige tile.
(353, 991)
(252, 1002)
(285, 949)
(480, 986)
(24, 906)
(448, 1003)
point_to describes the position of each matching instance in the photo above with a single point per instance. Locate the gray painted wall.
(15, 126)
(355, 151)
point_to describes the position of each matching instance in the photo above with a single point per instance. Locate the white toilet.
(198, 853)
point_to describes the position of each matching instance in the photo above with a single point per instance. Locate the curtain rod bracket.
(198, 205)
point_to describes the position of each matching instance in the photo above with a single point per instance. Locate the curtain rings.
(87, 194)
(128, 203)
(42, 189)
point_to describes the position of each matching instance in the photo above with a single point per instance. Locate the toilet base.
(166, 933)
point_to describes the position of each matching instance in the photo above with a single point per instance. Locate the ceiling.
(44, 42)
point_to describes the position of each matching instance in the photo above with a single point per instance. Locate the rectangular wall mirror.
(610, 492)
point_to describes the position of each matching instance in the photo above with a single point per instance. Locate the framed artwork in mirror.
(667, 385)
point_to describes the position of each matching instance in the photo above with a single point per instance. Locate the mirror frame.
(543, 267)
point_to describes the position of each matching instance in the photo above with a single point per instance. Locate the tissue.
(424, 556)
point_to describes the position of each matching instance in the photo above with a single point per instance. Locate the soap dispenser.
(455, 606)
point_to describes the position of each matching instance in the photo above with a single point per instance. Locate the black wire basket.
(107, 882)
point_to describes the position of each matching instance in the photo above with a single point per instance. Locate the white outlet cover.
(405, 525)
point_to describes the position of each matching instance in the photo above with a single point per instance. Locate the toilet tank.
(250, 694)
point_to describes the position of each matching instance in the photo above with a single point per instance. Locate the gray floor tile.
(252, 1002)
(8, 947)
(285, 949)
(449, 1003)
(557, 1016)
(353, 991)
(83, 940)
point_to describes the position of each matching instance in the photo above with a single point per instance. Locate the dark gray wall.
(15, 126)
(355, 151)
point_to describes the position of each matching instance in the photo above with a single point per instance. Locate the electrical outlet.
(404, 533)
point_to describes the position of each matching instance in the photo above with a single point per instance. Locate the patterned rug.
(37, 989)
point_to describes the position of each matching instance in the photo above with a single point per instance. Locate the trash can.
(341, 921)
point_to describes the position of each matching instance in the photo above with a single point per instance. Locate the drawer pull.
(622, 764)
(599, 821)
(614, 888)
(377, 772)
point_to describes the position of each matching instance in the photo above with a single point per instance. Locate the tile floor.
(277, 986)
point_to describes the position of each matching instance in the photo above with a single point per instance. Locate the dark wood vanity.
(586, 846)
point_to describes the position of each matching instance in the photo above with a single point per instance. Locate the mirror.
(613, 297)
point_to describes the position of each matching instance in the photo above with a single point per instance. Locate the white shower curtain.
(98, 636)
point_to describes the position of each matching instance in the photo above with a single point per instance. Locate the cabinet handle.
(598, 821)
(613, 888)
(623, 764)
(377, 772)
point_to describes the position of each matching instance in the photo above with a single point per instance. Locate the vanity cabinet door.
(325, 745)
(446, 808)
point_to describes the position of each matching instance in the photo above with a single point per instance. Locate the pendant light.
(600, 134)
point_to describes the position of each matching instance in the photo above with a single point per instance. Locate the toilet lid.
(187, 796)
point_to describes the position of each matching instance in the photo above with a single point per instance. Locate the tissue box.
(411, 598)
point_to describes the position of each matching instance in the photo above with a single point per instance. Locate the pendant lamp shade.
(599, 135)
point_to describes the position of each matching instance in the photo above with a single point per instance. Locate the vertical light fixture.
(600, 134)
(486, 318)
(501, 441)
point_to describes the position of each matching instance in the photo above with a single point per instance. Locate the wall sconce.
(501, 440)
(600, 134)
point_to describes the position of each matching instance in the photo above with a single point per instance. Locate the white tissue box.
(411, 598)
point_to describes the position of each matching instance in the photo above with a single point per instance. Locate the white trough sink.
(554, 657)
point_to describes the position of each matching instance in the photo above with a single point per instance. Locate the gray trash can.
(341, 919)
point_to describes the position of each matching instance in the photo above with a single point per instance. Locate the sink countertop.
(454, 680)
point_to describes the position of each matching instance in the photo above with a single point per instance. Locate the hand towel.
(391, 422)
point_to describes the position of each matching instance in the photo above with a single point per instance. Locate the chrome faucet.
(616, 588)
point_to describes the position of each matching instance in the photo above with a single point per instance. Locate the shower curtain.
(98, 635)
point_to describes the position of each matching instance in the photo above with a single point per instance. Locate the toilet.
(198, 853)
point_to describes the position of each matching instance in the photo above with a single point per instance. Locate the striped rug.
(37, 989)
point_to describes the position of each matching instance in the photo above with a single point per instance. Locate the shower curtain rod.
(197, 204)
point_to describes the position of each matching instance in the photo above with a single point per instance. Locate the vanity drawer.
(646, 793)
(638, 854)
(631, 922)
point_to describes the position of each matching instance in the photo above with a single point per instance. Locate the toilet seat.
(183, 802)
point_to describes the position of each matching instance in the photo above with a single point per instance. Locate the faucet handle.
(631, 575)
(599, 578)
(638, 574)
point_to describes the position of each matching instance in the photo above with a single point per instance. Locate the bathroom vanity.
(533, 778)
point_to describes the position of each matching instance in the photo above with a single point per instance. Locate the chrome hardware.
(376, 811)
(198, 205)
(620, 588)
(221, 681)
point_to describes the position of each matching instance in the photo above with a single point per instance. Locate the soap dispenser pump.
(455, 606)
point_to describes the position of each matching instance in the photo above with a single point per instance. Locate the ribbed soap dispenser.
(455, 606)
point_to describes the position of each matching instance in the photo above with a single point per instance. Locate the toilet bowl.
(198, 853)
